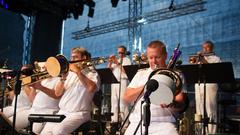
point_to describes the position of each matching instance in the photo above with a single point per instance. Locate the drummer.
(163, 116)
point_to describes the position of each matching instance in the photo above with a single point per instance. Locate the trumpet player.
(162, 116)
(211, 88)
(45, 102)
(76, 89)
(116, 66)
(24, 98)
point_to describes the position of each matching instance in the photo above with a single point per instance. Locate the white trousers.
(211, 103)
(9, 110)
(22, 120)
(155, 128)
(68, 125)
(114, 101)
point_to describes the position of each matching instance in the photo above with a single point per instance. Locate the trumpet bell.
(57, 65)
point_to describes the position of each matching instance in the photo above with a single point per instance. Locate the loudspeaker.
(6, 126)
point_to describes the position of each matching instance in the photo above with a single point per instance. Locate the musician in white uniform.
(211, 88)
(78, 87)
(116, 66)
(24, 98)
(45, 102)
(162, 116)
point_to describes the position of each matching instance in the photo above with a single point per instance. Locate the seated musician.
(163, 116)
(77, 88)
(24, 98)
(45, 102)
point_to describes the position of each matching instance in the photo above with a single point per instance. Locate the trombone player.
(44, 102)
(76, 88)
(24, 98)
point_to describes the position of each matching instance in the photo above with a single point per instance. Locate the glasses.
(121, 53)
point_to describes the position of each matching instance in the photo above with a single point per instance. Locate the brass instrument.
(37, 75)
(169, 80)
(197, 58)
(55, 66)
(58, 65)
(142, 59)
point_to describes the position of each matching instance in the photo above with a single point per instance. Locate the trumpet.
(59, 65)
(196, 58)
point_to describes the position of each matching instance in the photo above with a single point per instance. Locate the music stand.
(106, 76)
(207, 73)
(131, 70)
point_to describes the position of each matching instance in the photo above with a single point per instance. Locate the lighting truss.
(151, 17)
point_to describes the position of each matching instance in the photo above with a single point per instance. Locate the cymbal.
(3, 70)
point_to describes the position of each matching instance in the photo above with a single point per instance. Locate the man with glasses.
(115, 64)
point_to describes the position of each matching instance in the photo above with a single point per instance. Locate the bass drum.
(169, 85)
(56, 66)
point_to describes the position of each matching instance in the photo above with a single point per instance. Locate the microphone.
(151, 86)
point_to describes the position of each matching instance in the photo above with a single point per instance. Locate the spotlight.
(142, 21)
(90, 12)
(114, 3)
(172, 6)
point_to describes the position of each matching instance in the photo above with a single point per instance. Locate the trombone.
(55, 67)
(59, 65)
(37, 75)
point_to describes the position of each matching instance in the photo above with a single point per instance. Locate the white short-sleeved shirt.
(23, 100)
(43, 102)
(212, 59)
(76, 97)
(158, 114)
(116, 69)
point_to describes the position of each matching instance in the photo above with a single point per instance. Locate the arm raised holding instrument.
(162, 114)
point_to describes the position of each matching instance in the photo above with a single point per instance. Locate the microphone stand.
(2, 86)
(17, 90)
(205, 119)
(131, 110)
(119, 96)
(147, 115)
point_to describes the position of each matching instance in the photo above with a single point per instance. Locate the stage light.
(142, 21)
(172, 6)
(90, 12)
(114, 3)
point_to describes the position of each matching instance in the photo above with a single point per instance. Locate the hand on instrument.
(75, 68)
(64, 77)
(37, 85)
(113, 59)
